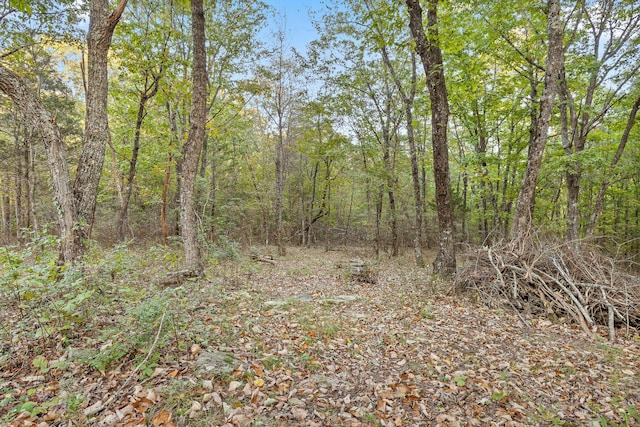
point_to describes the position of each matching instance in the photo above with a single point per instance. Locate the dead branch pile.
(556, 281)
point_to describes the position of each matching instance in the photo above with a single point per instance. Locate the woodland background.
(154, 154)
(335, 119)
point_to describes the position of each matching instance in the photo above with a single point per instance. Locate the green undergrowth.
(107, 318)
(103, 314)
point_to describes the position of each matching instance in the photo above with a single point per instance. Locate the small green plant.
(627, 415)
(32, 408)
(427, 311)
(460, 380)
(498, 396)
(271, 362)
(42, 363)
(369, 418)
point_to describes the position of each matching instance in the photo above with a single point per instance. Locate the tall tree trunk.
(407, 99)
(213, 189)
(607, 47)
(149, 92)
(597, 209)
(379, 200)
(5, 207)
(18, 176)
(428, 47)
(282, 250)
(572, 144)
(31, 106)
(523, 220)
(165, 192)
(389, 166)
(30, 181)
(102, 22)
(193, 146)
(176, 136)
(306, 231)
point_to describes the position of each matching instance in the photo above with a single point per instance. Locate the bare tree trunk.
(165, 192)
(282, 250)
(193, 146)
(597, 209)
(428, 47)
(102, 22)
(408, 99)
(30, 179)
(149, 92)
(306, 230)
(19, 177)
(5, 207)
(378, 220)
(523, 220)
(389, 166)
(31, 106)
(213, 189)
(570, 143)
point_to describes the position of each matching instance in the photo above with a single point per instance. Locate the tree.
(522, 222)
(428, 48)
(32, 107)
(141, 49)
(193, 146)
(281, 108)
(24, 27)
(597, 209)
(408, 96)
(102, 23)
(591, 82)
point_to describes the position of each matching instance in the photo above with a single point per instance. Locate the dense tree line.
(168, 119)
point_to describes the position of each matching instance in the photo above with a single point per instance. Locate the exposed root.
(559, 280)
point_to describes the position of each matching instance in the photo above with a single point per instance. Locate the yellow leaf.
(258, 382)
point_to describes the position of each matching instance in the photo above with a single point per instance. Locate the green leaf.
(460, 380)
(42, 363)
(21, 5)
(498, 396)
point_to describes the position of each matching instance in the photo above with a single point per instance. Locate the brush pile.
(558, 281)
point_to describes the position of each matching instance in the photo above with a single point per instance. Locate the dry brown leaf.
(233, 386)
(142, 404)
(195, 409)
(162, 419)
(299, 414)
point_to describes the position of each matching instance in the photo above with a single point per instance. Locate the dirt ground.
(307, 345)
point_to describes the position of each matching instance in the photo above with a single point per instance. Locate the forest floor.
(298, 343)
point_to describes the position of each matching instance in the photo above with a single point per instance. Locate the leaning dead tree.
(556, 281)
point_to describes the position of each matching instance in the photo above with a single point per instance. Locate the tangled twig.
(556, 280)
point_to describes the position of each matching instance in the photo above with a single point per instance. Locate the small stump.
(360, 271)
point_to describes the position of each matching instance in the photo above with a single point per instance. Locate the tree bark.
(407, 99)
(279, 163)
(165, 192)
(31, 106)
(5, 207)
(193, 146)
(607, 49)
(597, 209)
(150, 90)
(428, 48)
(102, 23)
(523, 220)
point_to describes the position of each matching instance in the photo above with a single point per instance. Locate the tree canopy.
(331, 144)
